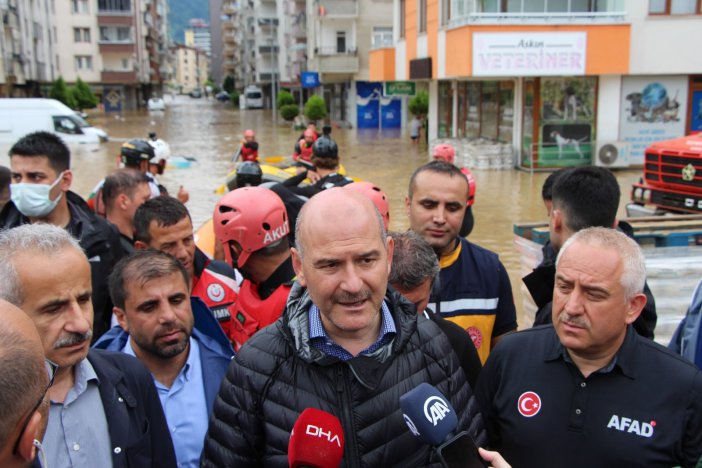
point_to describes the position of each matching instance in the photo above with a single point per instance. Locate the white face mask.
(32, 200)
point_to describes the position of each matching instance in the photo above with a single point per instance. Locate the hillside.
(182, 11)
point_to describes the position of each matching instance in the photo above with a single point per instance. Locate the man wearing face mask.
(40, 193)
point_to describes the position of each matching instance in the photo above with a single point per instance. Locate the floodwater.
(208, 132)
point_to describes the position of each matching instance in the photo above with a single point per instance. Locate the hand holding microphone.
(317, 440)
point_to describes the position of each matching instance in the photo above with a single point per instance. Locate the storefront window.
(506, 113)
(489, 105)
(445, 110)
(528, 122)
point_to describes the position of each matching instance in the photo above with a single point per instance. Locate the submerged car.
(156, 104)
(223, 96)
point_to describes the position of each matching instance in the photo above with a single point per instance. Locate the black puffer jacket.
(101, 242)
(277, 374)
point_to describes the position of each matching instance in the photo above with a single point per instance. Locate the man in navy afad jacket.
(176, 337)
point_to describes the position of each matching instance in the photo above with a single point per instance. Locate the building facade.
(191, 68)
(546, 84)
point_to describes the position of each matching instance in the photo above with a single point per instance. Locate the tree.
(83, 95)
(228, 84)
(289, 111)
(315, 108)
(210, 82)
(284, 98)
(60, 92)
(419, 105)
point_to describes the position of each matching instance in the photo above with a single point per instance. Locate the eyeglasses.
(51, 368)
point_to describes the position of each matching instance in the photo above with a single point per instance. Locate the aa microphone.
(431, 418)
(317, 440)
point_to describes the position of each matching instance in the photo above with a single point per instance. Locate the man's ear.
(140, 245)
(297, 266)
(121, 317)
(122, 200)
(408, 202)
(25, 445)
(635, 306)
(66, 180)
(390, 249)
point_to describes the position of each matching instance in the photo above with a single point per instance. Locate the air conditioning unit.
(612, 154)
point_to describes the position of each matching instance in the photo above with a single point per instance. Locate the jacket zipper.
(349, 432)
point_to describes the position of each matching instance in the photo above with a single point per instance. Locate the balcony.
(116, 47)
(333, 62)
(118, 76)
(115, 19)
(267, 22)
(228, 8)
(337, 9)
(267, 49)
(229, 38)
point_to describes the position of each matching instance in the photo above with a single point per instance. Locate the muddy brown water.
(208, 132)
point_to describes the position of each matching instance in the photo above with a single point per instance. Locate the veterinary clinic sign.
(529, 54)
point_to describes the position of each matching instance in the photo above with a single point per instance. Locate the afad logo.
(529, 404)
(435, 408)
(631, 426)
(215, 292)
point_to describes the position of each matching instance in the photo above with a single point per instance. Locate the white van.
(20, 116)
(253, 96)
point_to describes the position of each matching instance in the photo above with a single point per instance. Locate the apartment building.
(216, 56)
(116, 46)
(557, 82)
(191, 68)
(27, 47)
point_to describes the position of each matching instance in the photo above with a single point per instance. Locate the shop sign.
(529, 54)
(400, 88)
(309, 79)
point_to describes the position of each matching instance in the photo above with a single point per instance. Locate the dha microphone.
(317, 440)
(431, 418)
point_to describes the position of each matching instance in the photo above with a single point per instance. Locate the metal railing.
(522, 18)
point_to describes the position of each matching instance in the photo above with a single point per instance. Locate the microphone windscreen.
(428, 414)
(317, 440)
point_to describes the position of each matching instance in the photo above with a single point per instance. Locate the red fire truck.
(672, 178)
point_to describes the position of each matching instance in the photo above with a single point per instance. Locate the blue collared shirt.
(185, 407)
(321, 341)
(77, 434)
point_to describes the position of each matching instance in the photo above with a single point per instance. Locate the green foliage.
(60, 92)
(228, 84)
(83, 95)
(234, 96)
(315, 108)
(284, 98)
(182, 11)
(289, 111)
(210, 82)
(419, 104)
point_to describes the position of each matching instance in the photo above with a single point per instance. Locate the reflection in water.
(209, 131)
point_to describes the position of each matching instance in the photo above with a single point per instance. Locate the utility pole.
(273, 70)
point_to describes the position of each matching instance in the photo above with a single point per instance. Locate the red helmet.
(471, 185)
(377, 196)
(249, 134)
(444, 152)
(253, 218)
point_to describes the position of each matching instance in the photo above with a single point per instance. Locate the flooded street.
(209, 131)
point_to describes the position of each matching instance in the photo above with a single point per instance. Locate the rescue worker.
(325, 158)
(164, 224)
(248, 174)
(252, 224)
(303, 149)
(249, 146)
(446, 152)
(377, 196)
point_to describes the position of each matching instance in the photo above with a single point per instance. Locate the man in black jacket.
(345, 344)
(104, 408)
(581, 198)
(41, 182)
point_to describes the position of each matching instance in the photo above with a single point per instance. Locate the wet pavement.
(208, 131)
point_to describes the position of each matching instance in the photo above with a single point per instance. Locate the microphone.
(431, 418)
(316, 441)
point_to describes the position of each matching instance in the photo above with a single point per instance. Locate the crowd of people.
(124, 344)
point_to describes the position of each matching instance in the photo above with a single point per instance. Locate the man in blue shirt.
(345, 344)
(158, 325)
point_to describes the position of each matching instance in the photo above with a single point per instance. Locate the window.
(341, 42)
(125, 64)
(422, 13)
(66, 125)
(402, 18)
(81, 34)
(115, 34)
(674, 7)
(79, 7)
(84, 62)
(382, 36)
(445, 12)
(114, 5)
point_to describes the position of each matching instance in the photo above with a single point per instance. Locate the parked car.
(254, 97)
(223, 96)
(196, 93)
(156, 104)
